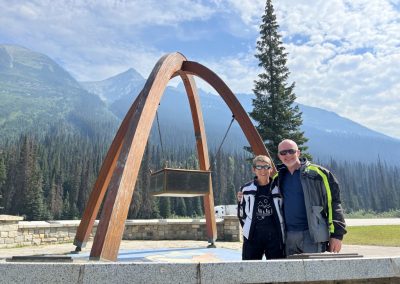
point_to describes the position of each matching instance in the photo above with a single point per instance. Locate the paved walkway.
(177, 251)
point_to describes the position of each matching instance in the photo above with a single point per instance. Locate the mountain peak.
(111, 89)
(132, 72)
(17, 61)
(37, 94)
(129, 75)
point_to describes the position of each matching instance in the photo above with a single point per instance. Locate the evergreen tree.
(230, 195)
(148, 204)
(197, 209)
(181, 209)
(66, 210)
(2, 170)
(28, 199)
(217, 179)
(55, 198)
(274, 110)
(165, 207)
(134, 207)
(3, 177)
(34, 206)
(9, 187)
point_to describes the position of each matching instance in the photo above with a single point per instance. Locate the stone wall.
(300, 271)
(9, 230)
(15, 232)
(232, 229)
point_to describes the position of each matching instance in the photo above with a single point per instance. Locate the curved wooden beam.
(202, 152)
(119, 192)
(253, 137)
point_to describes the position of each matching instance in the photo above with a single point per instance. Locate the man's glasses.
(259, 167)
(289, 151)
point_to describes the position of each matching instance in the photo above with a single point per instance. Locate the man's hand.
(335, 245)
(239, 196)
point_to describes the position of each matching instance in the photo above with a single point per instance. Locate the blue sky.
(343, 54)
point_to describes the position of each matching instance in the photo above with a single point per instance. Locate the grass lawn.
(373, 235)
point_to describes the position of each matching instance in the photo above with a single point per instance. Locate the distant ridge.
(330, 135)
(36, 95)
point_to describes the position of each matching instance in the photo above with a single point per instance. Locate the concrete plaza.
(175, 251)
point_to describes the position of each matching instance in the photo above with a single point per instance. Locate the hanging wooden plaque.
(180, 182)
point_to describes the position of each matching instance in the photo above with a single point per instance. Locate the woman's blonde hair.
(261, 158)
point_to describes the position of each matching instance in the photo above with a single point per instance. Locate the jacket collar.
(303, 161)
(256, 181)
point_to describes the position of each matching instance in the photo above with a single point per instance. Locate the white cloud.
(94, 38)
(250, 11)
(237, 72)
(348, 62)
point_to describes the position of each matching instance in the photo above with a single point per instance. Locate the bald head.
(289, 153)
(287, 144)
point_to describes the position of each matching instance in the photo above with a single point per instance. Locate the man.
(312, 207)
(259, 212)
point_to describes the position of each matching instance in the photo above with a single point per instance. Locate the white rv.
(224, 210)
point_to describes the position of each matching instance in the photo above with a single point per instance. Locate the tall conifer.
(274, 110)
(3, 177)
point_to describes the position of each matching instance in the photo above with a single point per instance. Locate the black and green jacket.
(322, 199)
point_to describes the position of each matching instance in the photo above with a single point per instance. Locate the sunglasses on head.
(289, 151)
(260, 167)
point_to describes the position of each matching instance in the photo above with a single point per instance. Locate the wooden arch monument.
(121, 165)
